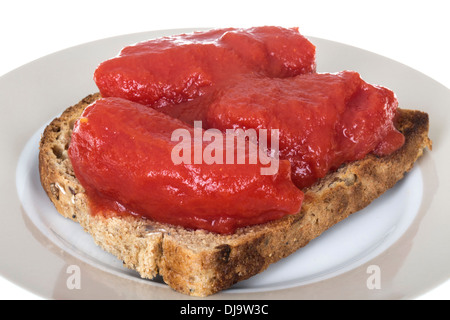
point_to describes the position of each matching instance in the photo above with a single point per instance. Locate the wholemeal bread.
(200, 263)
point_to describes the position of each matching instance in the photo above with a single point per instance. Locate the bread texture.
(201, 263)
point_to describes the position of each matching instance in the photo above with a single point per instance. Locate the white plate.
(401, 239)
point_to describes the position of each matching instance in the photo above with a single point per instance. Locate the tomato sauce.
(121, 154)
(256, 78)
(179, 68)
(324, 119)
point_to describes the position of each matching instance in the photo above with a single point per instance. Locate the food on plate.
(119, 162)
(324, 119)
(180, 68)
(121, 153)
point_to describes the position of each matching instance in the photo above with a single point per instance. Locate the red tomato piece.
(180, 68)
(121, 153)
(324, 119)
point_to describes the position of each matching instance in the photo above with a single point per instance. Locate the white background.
(415, 33)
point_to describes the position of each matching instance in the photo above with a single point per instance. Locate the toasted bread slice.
(200, 263)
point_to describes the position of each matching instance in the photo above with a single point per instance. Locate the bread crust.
(201, 263)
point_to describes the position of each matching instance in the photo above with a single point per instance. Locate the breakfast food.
(321, 122)
(106, 164)
(178, 75)
(183, 67)
(130, 164)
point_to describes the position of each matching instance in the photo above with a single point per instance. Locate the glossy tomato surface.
(324, 119)
(121, 153)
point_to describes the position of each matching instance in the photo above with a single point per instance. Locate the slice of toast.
(201, 263)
